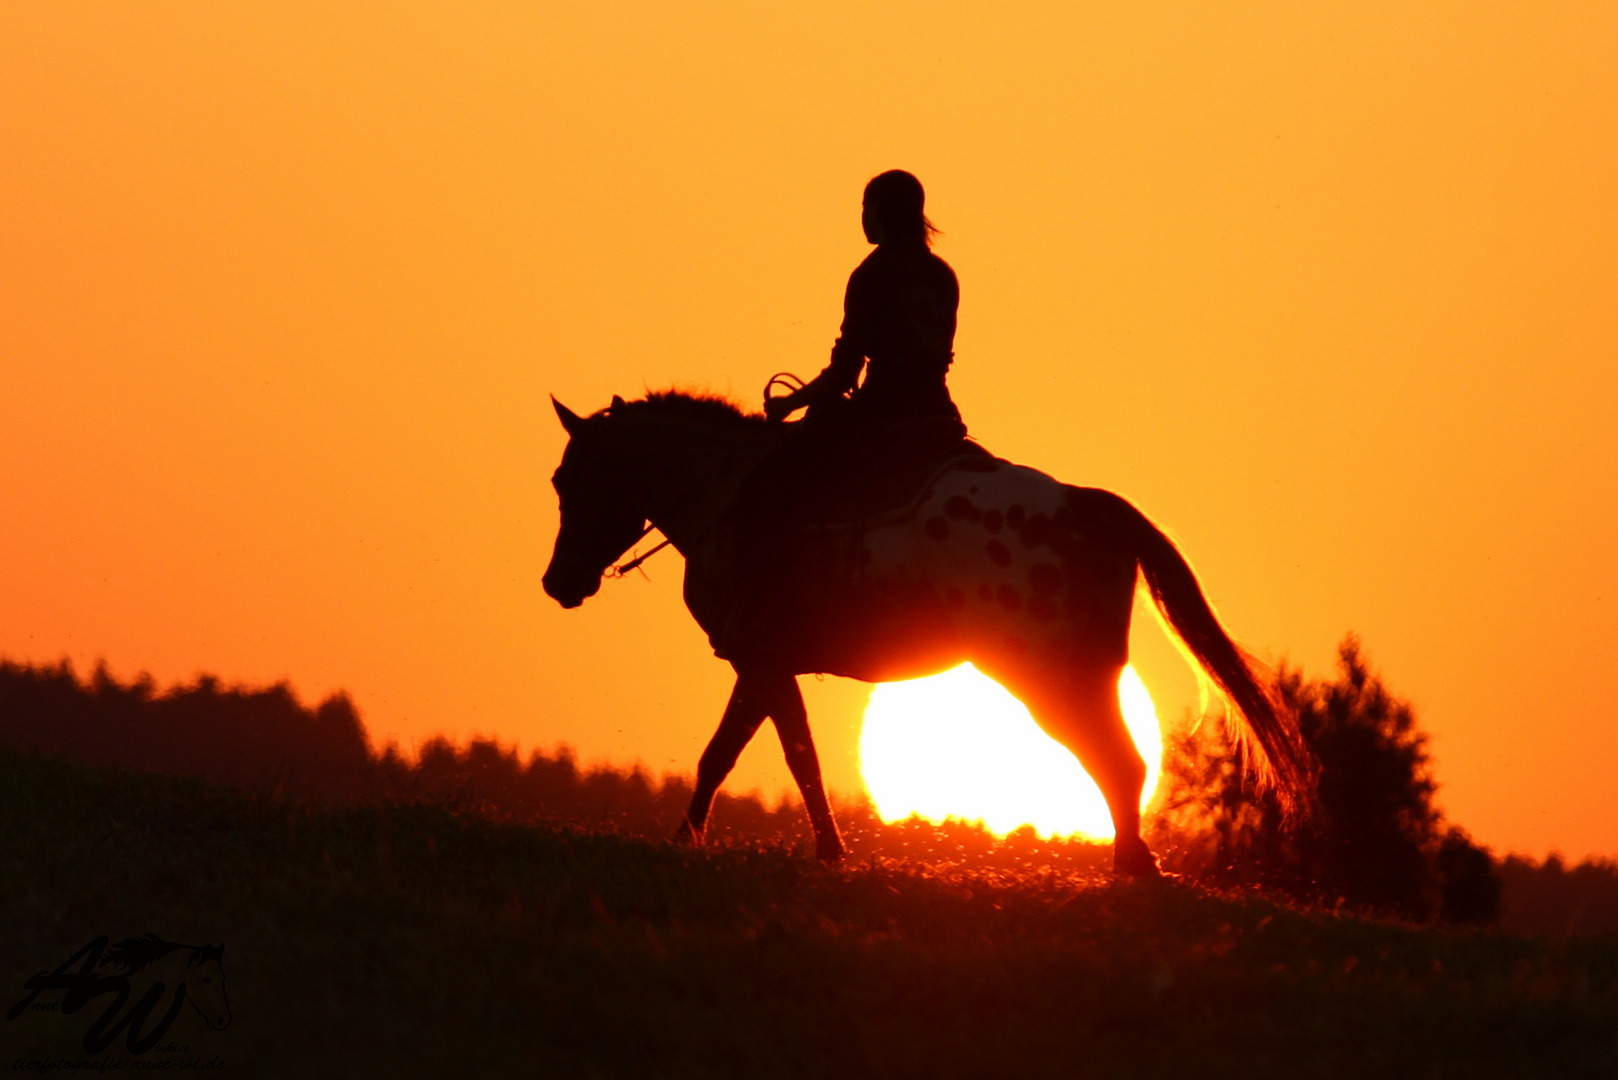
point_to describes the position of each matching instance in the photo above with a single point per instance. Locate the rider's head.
(893, 210)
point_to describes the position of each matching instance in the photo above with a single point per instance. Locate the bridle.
(780, 378)
(634, 564)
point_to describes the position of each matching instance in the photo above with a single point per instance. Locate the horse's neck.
(172, 965)
(692, 474)
(166, 966)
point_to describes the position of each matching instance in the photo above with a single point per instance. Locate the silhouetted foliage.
(266, 740)
(1469, 888)
(495, 781)
(1375, 842)
(1552, 898)
(405, 941)
(260, 738)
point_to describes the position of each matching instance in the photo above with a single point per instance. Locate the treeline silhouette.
(1555, 899)
(1377, 843)
(267, 740)
(264, 738)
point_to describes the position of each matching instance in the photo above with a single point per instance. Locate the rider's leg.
(744, 713)
(774, 502)
(792, 724)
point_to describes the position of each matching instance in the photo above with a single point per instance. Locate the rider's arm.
(842, 374)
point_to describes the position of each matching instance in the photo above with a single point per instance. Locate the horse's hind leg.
(1085, 716)
(792, 724)
(744, 713)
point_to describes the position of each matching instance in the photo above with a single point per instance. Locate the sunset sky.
(1329, 291)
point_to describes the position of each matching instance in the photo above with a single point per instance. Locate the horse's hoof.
(688, 835)
(1135, 861)
(831, 854)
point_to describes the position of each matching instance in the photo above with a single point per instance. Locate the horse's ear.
(617, 402)
(571, 420)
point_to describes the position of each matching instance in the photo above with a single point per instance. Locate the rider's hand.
(777, 409)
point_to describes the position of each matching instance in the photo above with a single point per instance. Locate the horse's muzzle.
(570, 594)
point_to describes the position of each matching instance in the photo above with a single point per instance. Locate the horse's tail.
(1268, 737)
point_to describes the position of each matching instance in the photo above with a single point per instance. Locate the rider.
(898, 314)
(899, 328)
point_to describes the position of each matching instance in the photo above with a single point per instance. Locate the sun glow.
(959, 745)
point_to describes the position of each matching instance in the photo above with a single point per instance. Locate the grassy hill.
(410, 940)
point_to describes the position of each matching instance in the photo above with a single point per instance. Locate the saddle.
(796, 527)
(898, 464)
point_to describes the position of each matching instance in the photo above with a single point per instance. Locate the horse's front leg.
(792, 724)
(744, 713)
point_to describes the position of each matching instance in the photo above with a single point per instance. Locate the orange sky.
(1327, 290)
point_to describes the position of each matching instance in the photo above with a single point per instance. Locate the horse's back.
(889, 469)
(1014, 562)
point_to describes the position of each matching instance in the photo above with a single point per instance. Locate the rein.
(634, 564)
(780, 378)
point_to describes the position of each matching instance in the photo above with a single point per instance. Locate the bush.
(1375, 842)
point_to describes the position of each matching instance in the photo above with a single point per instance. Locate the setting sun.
(959, 745)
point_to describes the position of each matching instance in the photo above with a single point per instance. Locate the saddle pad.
(901, 489)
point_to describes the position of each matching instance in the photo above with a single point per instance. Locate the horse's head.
(601, 511)
(205, 985)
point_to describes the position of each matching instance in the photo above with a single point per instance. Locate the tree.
(1374, 841)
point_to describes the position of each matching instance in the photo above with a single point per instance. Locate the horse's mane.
(699, 405)
(137, 954)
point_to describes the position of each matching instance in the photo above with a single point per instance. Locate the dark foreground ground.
(409, 941)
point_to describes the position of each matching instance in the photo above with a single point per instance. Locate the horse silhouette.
(1030, 579)
(193, 974)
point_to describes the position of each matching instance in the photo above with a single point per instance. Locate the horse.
(1031, 580)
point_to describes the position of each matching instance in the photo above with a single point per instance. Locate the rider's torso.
(899, 313)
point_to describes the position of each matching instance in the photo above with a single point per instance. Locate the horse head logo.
(205, 985)
(146, 970)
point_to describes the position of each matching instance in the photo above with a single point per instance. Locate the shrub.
(1375, 842)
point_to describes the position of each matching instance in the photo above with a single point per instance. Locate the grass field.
(412, 941)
